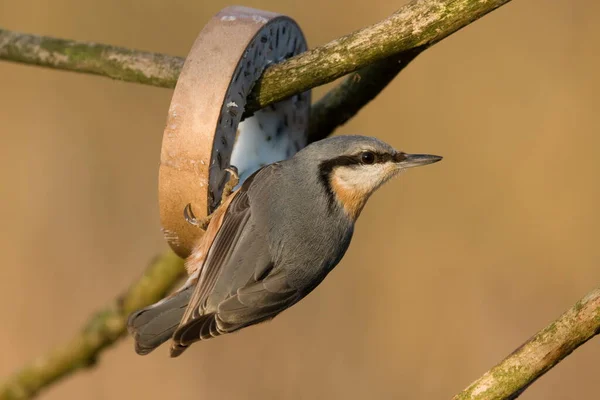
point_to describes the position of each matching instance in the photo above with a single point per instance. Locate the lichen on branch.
(91, 58)
(102, 330)
(418, 24)
(539, 354)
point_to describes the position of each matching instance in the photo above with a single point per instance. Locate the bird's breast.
(310, 253)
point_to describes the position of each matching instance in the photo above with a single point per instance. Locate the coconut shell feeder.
(205, 134)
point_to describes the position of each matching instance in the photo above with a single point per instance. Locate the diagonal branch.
(539, 354)
(418, 24)
(101, 331)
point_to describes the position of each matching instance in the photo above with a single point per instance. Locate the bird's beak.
(416, 160)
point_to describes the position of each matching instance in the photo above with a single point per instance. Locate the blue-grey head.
(351, 168)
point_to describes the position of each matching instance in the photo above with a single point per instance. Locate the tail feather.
(155, 324)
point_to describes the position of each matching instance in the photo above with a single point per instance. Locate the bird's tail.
(155, 324)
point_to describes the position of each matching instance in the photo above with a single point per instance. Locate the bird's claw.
(233, 181)
(202, 223)
(191, 219)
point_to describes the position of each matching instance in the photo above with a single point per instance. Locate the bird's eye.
(367, 157)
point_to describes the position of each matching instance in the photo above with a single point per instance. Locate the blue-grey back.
(311, 234)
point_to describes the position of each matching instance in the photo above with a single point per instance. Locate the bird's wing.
(258, 301)
(214, 251)
(236, 244)
(254, 303)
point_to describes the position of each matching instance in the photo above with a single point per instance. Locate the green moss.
(89, 58)
(579, 306)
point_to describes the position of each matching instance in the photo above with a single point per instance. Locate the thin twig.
(539, 354)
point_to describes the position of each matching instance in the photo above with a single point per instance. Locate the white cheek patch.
(365, 178)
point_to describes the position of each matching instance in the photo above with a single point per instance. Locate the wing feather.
(265, 294)
(231, 225)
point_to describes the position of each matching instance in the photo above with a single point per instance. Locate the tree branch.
(539, 354)
(418, 24)
(101, 331)
(377, 52)
(91, 58)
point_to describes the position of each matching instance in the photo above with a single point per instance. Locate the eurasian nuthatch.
(272, 241)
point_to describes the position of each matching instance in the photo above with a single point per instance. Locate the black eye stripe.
(398, 157)
(342, 161)
(327, 167)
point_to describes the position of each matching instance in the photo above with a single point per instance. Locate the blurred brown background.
(451, 268)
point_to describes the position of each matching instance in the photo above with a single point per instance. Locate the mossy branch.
(417, 25)
(101, 331)
(539, 354)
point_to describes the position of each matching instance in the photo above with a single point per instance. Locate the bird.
(272, 241)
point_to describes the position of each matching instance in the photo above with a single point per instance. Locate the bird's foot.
(234, 179)
(191, 219)
(202, 223)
